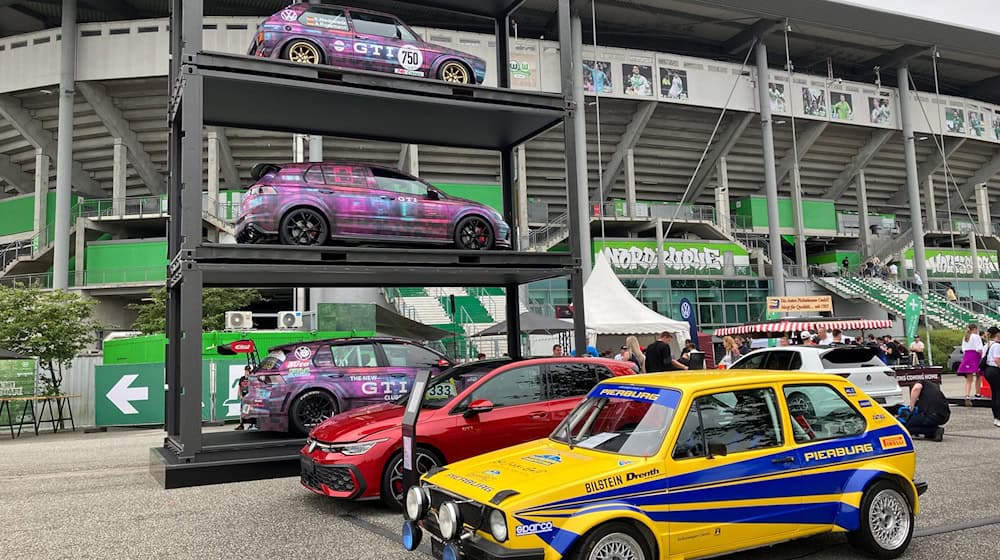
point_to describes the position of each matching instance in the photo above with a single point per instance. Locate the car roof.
(346, 340)
(570, 360)
(305, 164)
(693, 381)
(346, 8)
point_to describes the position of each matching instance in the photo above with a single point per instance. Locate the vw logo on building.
(685, 309)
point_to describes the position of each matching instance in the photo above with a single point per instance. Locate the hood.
(542, 471)
(475, 60)
(359, 423)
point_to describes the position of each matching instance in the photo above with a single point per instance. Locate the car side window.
(516, 386)
(755, 361)
(345, 175)
(408, 355)
(571, 380)
(397, 182)
(779, 360)
(820, 412)
(354, 355)
(730, 422)
(325, 17)
(404, 33)
(323, 357)
(374, 24)
(315, 175)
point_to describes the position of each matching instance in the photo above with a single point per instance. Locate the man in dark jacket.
(929, 411)
(660, 356)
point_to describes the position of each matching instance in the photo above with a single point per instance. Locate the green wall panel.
(17, 215)
(134, 261)
(490, 195)
(816, 214)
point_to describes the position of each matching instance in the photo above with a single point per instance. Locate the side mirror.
(478, 407)
(433, 195)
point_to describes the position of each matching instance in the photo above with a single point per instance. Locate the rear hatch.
(862, 366)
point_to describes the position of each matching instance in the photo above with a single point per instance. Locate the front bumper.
(478, 548)
(335, 481)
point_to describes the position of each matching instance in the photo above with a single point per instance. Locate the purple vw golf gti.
(299, 385)
(361, 39)
(313, 203)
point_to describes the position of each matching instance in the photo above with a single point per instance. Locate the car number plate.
(308, 466)
(437, 547)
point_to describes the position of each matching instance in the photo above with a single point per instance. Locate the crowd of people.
(981, 360)
(656, 357)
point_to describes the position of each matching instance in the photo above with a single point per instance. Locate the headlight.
(416, 502)
(357, 448)
(449, 520)
(498, 525)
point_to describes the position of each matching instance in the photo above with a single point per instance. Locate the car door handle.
(387, 198)
(538, 414)
(782, 460)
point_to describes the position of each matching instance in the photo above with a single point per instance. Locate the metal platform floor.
(228, 457)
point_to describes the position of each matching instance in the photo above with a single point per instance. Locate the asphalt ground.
(75, 495)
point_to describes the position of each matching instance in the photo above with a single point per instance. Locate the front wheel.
(615, 541)
(303, 52)
(455, 72)
(310, 409)
(474, 233)
(886, 522)
(303, 226)
(392, 478)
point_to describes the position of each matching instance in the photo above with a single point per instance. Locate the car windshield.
(621, 419)
(444, 388)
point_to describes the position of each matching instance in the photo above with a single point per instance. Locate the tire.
(799, 402)
(454, 72)
(614, 540)
(304, 227)
(392, 482)
(303, 52)
(886, 521)
(474, 233)
(309, 409)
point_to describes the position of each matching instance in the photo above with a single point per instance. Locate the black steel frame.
(198, 84)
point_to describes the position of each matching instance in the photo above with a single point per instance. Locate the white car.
(859, 364)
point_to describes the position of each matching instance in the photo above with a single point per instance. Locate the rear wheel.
(309, 409)
(303, 226)
(613, 541)
(455, 72)
(886, 521)
(474, 233)
(303, 52)
(392, 478)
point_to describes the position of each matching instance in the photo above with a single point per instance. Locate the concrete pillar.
(722, 216)
(630, 182)
(411, 164)
(912, 181)
(521, 181)
(800, 227)
(299, 298)
(316, 148)
(119, 173)
(770, 174)
(975, 254)
(930, 205)
(983, 209)
(661, 266)
(80, 251)
(864, 225)
(579, 129)
(212, 138)
(64, 149)
(41, 192)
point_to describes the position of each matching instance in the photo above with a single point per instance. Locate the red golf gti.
(468, 410)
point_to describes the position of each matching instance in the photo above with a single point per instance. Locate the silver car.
(858, 364)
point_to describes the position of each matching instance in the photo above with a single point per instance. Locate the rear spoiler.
(261, 169)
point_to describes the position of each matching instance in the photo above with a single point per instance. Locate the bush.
(942, 342)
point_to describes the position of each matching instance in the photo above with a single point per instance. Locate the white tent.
(612, 310)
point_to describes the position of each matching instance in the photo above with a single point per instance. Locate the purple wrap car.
(362, 39)
(299, 385)
(312, 203)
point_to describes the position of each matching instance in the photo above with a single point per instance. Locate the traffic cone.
(986, 391)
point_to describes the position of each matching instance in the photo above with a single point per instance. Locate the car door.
(404, 361)
(414, 212)
(566, 384)
(518, 409)
(334, 32)
(730, 443)
(355, 372)
(377, 43)
(348, 199)
(753, 360)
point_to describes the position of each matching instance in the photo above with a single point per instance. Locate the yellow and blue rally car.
(684, 465)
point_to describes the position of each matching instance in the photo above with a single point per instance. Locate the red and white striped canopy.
(794, 326)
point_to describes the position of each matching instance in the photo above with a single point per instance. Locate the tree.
(215, 302)
(53, 326)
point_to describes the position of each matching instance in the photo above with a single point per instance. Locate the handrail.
(542, 236)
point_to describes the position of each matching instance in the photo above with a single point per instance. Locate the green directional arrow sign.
(128, 394)
(914, 307)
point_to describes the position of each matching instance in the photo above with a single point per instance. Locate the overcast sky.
(977, 14)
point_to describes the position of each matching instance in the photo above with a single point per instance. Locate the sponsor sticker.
(543, 459)
(533, 528)
(892, 442)
(339, 45)
(837, 452)
(623, 462)
(850, 391)
(468, 481)
(303, 353)
(878, 417)
(410, 57)
(865, 403)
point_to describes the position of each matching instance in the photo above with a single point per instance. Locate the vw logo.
(686, 310)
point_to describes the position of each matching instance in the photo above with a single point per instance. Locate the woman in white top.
(992, 375)
(972, 353)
